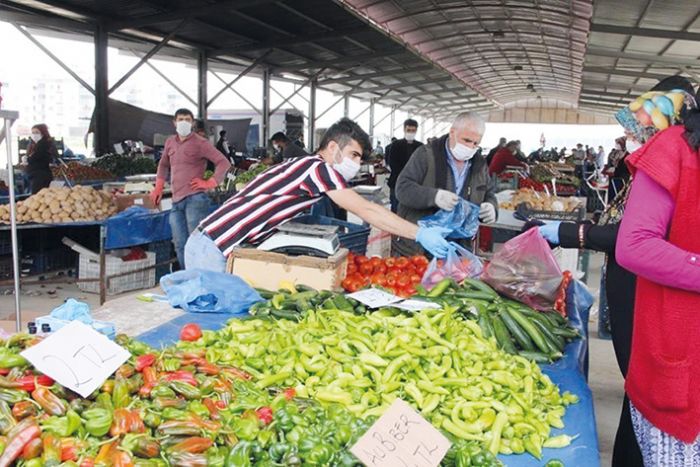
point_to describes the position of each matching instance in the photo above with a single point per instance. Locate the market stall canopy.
(427, 57)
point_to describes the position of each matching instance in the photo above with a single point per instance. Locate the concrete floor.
(604, 379)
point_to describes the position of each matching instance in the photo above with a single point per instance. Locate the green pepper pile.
(436, 360)
(174, 408)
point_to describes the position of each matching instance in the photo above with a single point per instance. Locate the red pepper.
(23, 409)
(236, 373)
(126, 421)
(50, 402)
(122, 459)
(69, 450)
(208, 369)
(150, 379)
(190, 332)
(290, 393)
(264, 415)
(88, 462)
(21, 435)
(32, 449)
(193, 445)
(28, 383)
(181, 375)
(4, 371)
(144, 361)
(212, 407)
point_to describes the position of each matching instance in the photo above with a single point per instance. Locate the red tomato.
(419, 260)
(352, 268)
(403, 281)
(410, 290)
(378, 279)
(366, 269)
(409, 269)
(415, 278)
(190, 332)
(421, 270)
(346, 283)
(390, 262)
(361, 259)
(375, 262)
(402, 262)
(381, 268)
(390, 281)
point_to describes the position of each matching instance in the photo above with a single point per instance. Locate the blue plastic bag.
(200, 291)
(463, 220)
(73, 310)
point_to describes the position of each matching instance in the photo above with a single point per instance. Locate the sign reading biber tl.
(401, 438)
(77, 357)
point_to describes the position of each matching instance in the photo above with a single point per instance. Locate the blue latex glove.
(433, 240)
(550, 232)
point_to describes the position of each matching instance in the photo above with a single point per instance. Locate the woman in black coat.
(41, 153)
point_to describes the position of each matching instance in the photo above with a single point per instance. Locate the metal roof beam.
(340, 61)
(379, 74)
(288, 41)
(615, 85)
(670, 60)
(180, 13)
(404, 84)
(645, 32)
(34, 18)
(619, 72)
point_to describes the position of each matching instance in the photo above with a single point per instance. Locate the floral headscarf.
(654, 111)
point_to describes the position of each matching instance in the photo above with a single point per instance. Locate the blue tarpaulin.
(136, 226)
(568, 373)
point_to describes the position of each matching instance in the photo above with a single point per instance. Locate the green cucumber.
(286, 314)
(264, 293)
(529, 328)
(342, 303)
(485, 325)
(305, 288)
(479, 286)
(502, 335)
(519, 334)
(537, 357)
(558, 341)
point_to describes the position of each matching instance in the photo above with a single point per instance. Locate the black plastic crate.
(594, 204)
(49, 260)
(5, 243)
(576, 215)
(354, 237)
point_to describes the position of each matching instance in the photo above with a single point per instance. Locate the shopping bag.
(525, 270)
(200, 291)
(458, 265)
(463, 220)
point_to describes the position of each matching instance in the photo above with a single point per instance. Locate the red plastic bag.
(459, 265)
(525, 270)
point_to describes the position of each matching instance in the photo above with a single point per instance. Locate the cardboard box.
(266, 270)
(126, 201)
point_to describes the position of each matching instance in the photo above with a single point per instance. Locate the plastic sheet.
(137, 226)
(463, 220)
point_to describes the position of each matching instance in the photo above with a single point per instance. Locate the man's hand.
(204, 185)
(446, 200)
(487, 213)
(433, 240)
(157, 192)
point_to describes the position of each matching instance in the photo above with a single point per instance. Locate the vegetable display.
(176, 408)
(54, 205)
(123, 166)
(399, 275)
(436, 360)
(78, 172)
(250, 174)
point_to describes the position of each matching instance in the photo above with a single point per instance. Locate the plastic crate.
(164, 252)
(576, 215)
(593, 203)
(351, 236)
(90, 269)
(6, 267)
(52, 259)
(5, 243)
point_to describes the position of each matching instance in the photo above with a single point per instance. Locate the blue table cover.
(567, 373)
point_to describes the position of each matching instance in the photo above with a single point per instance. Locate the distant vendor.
(288, 189)
(287, 148)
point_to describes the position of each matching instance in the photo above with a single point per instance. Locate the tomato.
(410, 290)
(378, 279)
(403, 281)
(375, 262)
(390, 281)
(190, 332)
(381, 268)
(419, 260)
(421, 270)
(402, 262)
(390, 262)
(403, 292)
(366, 269)
(352, 268)
(361, 259)
(415, 278)
(347, 282)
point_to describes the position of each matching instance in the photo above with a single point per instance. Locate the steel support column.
(371, 118)
(346, 105)
(202, 68)
(266, 107)
(392, 122)
(101, 135)
(311, 140)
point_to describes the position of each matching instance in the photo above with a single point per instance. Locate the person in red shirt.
(184, 162)
(505, 157)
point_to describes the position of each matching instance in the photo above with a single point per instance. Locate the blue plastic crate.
(352, 236)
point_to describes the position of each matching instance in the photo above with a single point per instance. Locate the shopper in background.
(379, 149)
(183, 162)
(616, 169)
(619, 284)
(222, 145)
(600, 158)
(401, 151)
(40, 154)
(504, 158)
(494, 150)
(659, 241)
(288, 149)
(438, 175)
(288, 189)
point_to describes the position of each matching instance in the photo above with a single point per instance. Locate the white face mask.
(632, 145)
(183, 128)
(36, 137)
(463, 153)
(410, 136)
(347, 167)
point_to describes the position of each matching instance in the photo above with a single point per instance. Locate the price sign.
(78, 357)
(416, 305)
(401, 438)
(375, 298)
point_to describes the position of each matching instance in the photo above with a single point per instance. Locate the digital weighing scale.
(297, 239)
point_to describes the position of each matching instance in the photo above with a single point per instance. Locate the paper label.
(416, 305)
(77, 357)
(401, 438)
(375, 298)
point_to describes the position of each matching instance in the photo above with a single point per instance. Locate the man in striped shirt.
(288, 189)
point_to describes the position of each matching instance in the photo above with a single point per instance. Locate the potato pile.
(540, 201)
(57, 205)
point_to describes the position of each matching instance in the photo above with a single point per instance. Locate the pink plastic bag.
(459, 265)
(525, 270)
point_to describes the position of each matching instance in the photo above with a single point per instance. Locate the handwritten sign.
(401, 438)
(375, 298)
(78, 357)
(416, 305)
